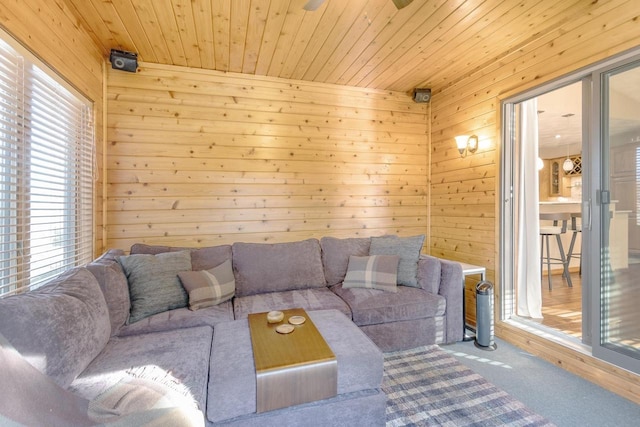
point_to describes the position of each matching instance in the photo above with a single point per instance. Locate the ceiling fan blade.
(313, 5)
(400, 3)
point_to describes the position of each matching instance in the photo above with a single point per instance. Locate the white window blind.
(46, 175)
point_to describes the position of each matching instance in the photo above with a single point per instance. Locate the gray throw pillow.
(154, 286)
(407, 248)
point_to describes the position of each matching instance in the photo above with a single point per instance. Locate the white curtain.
(528, 280)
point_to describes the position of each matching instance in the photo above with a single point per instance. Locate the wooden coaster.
(297, 320)
(285, 329)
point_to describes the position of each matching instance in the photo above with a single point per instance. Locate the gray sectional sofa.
(78, 331)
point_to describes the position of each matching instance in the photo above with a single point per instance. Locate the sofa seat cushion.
(60, 327)
(180, 318)
(309, 299)
(232, 381)
(262, 267)
(178, 359)
(406, 334)
(372, 306)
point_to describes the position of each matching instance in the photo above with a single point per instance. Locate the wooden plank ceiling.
(365, 43)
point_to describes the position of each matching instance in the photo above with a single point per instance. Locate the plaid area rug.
(427, 387)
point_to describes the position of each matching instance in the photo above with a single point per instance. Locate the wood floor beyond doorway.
(562, 305)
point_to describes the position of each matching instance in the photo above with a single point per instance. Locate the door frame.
(507, 209)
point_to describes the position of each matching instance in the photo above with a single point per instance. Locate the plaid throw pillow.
(373, 272)
(209, 287)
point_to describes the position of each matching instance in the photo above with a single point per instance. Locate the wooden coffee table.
(291, 368)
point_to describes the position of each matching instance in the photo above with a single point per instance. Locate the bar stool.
(575, 227)
(554, 230)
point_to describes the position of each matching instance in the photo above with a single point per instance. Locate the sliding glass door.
(604, 199)
(616, 297)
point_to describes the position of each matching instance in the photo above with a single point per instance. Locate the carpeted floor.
(560, 396)
(426, 386)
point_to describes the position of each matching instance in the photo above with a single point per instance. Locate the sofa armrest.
(451, 287)
(444, 277)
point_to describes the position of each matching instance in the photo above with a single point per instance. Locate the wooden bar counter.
(291, 368)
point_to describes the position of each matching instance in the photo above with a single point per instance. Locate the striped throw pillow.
(373, 272)
(209, 287)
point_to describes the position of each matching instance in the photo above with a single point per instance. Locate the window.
(46, 175)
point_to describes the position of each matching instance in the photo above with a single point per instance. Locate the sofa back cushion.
(113, 283)
(201, 259)
(336, 253)
(60, 327)
(210, 257)
(262, 267)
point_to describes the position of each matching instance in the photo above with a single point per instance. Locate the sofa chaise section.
(63, 330)
(177, 359)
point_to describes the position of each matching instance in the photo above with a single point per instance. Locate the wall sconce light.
(467, 144)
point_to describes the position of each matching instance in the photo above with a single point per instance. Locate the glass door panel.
(619, 290)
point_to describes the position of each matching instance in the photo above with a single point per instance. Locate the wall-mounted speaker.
(123, 60)
(421, 95)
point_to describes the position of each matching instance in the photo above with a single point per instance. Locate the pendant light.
(567, 165)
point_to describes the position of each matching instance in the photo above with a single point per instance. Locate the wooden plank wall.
(464, 212)
(51, 31)
(199, 158)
